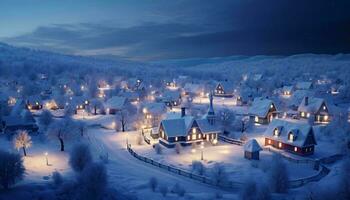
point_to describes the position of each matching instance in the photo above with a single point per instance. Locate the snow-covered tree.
(278, 175)
(125, 115)
(153, 183)
(22, 141)
(218, 173)
(227, 118)
(11, 169)
(198, 167)
(93, 182)
(163, 189)
(179, 190)
(178, 148)
(95, 104)
(253, 191)
(158, 148)
(82, 128)
(62, 130)
(80, 157)
(57, 178)
(45, 118)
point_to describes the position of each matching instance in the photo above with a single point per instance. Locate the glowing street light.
(47, 159)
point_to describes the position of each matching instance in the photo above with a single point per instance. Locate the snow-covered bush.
(93, 182)
(62, 130)
(219, 174)
(163, 189)
(22, 141)
(278, 175)
(252, 191)
(82, 128)
(57, 178)
(179, 190)
(198, 167)
(153, 183)
(45, 118)
(11, 169)
(80, 157)
(158, 148)
(178, 148)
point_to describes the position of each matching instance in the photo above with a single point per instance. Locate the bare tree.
(227, 118)
(22, 141)
(96, 104)
(124, 115)
(62, 131)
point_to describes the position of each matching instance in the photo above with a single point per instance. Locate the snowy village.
(239, 127)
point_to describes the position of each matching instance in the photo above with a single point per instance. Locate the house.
(252, 150)
(171, 98)
(224, 89)
(131, 96)
(115, 104)
(51, 104)
(287, 90)
(34, 103)
(193, 89)
(304, 85)
(262, 111)
(152, 113)
(316, 108)
(13, 123)
(185, 129)
(79, 103)
(297, 97)
(170, 83)
(291, 136)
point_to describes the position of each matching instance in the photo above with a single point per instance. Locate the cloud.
(203, 28)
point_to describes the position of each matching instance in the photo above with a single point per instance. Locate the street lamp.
(47, 160)
(202, 147)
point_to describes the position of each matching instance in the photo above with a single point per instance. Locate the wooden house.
(252, 150)
(287, 91)
(34, 103)
(185, 129)
(316, 108)
(79, 103)
(115, 104)
(262, 111)
(292, 136)
(152, 113)
(224, 89)
(171, 98)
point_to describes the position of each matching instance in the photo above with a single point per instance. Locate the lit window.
(194, 137)
(295, 149)
(280, 144)
(307, 115)
(326, 117)
(256, 119)
(302, 114)
(275, 132)
(194, 130)
(269, 141)
(188, 138)
(291, 137)
(199, 136)
(176, 139)
(324, 107)
(271, 106)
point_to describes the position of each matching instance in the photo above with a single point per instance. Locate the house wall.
(309, 150)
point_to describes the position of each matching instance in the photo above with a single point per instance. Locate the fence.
(230, 140)
(181, 172)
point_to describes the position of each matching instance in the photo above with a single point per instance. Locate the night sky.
(157, 29)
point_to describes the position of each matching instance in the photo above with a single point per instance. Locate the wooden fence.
(203, 179)
(230, 140)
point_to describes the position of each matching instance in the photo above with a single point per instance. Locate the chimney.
(306, 101)
(183, 111)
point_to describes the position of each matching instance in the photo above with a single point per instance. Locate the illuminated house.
(193, 89)
(152, 113)
(291, 136)
(171, 98)
(287, 90)
(314, 107)
(34, 103)
(115, 104)
(224, 89)
(185, 129)
(79, 103)
(262, 111)
(11, 124)
(170, 83)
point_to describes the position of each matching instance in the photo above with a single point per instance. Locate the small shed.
(251, 150)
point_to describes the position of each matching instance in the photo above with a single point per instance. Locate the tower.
(211, 114)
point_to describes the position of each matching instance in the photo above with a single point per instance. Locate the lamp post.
(47, 159)
(202, 148)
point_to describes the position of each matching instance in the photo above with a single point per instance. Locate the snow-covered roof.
(116, 102)
(171, 95)
(131, 96)
(313, 106)
(155, 108)
(192, 87)
(177, 126)
(305, 85)
(206, 127)
(257, 77)
(287, 88)
(227, 86)
(252, 146)
(34, 99)
(260, 107)
(302, 131)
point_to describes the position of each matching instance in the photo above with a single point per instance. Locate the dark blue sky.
(158, 29)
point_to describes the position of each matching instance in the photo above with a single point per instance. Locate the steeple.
(211, 114)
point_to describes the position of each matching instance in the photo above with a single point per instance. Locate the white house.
(262, 111)
(115, 104)
(314, 107)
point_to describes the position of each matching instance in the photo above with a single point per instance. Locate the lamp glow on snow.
(202, 148)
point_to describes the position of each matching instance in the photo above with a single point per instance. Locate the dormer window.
(271, 106)
(276, 132)
(292, 136)
(324, 107)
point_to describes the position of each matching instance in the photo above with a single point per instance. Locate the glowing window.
(326, 117)
(280, 144)
(199, 136)
(194, 137)
(188, 138)
(256, 119)
(324, 107)
(307, 115)
(302, 114)
(295, 149)
(269, 141)
(275, 132)
(194, 130)
(176, 139)
(271, 106)
(290, 137)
